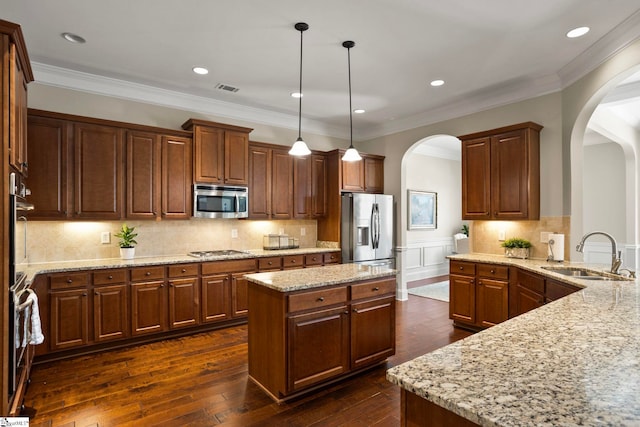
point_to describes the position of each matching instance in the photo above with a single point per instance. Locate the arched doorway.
(432, 165)
(605, 165)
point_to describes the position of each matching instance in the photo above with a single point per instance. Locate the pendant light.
(299, 147)
(351, 155)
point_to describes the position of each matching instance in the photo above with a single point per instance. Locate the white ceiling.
(489, 53)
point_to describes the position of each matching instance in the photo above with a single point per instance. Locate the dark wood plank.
(202, 380)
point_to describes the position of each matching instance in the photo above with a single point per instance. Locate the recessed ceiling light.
(436, 83)
(358, 111)
(200, 70)
(577, 32)
(73, 38)
(297, 95)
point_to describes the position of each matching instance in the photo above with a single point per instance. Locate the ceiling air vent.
(226, 87)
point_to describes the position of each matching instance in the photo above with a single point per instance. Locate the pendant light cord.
(350, 109)
(300, 92)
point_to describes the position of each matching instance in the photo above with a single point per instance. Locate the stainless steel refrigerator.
(366, 229)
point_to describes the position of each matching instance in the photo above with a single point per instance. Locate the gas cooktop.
(222, 252)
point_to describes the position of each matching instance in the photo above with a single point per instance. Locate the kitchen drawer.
(311, 260)
(269, 263)
(147, 273)
(183, 270)
(231, 266)
(316, 299)
(71, 280)
(373, 289)
(331, 257)
(463, 268)
(110, 276)
(492, 271)
(292, 261)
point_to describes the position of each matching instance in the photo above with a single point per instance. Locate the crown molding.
(91, 83)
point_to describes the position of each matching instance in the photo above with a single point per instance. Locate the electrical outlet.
(303, 231)
(234, 233)
(501, 235)
(544, 236)
(105, 237)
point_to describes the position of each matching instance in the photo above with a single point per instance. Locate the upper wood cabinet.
(501, 173)
(16, 73)
(176, 177)
(270, 182)
(143, 175)
(309, 186)
(98, 171)
(221, 152)
(50, 141)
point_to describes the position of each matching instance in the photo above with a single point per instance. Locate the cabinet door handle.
(171, 284)
(493, 272)
(110, 277)
(84, 294)
(375, 289)
(355, 310)
(162, 285)
(96, 293)
(471, 281)
(148, 273)
(184, 270)
(461, 268)
(346, 312)
(69, 280)
(270, 263)
(321, 299)
(293, 261)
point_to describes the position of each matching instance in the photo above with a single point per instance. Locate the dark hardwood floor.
(201, 380)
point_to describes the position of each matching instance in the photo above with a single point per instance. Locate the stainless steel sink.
(585, 273)
(221, 252)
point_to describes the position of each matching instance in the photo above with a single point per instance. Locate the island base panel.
(419, 412)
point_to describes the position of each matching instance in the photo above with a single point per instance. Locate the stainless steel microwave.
(219, 201)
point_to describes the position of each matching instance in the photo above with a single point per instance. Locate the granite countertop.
(575, 361)
(32, 269)
(315, 277)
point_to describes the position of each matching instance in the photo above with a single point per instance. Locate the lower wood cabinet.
(69, 318)
(479, 294)
(148, 307)
(239, 295)
(303, 339)
(110, 312)
(225, 279)
(216, 298)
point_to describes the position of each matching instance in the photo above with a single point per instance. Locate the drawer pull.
(461, 268)
(375, 289)
(110, 277)
(493, 272)
(270, 263)
(471, 281)
(293, 261)
(314, 259)
(84, 294)
(184, 270)
(148, 273)
(321, 299)
(69, 280)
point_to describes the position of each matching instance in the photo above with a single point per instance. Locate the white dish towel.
(36, 336)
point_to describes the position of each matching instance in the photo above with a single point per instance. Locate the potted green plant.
(127, 242)
(516, 247)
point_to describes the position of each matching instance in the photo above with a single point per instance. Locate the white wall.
(604, 184)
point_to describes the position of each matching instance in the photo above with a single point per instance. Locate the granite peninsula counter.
(575, 361)
(314, 326)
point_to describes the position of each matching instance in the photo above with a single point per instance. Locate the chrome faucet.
(616, 255)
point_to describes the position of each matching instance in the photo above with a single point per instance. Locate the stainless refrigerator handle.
(372, 226)
(376, 226)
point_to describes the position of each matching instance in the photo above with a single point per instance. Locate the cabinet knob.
(461, 268)
(171, 284)
(293, 261)
(184, 270)
(346, 312)
(493, 272)
(321, 299)
(69, 280)
(110, 277)
(314, 259)
(148, 273)
(270, 263)
(96, 293)
(471, 281)
(376, 289)
(84, 294)
(162, 285)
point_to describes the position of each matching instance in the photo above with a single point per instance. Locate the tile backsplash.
(483, 235)
(49, 241)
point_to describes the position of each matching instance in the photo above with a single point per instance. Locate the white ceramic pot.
(522, 253)
(127, 253)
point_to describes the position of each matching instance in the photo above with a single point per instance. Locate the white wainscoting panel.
(426, 259)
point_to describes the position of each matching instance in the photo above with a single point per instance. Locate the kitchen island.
(575, 361)
(315, 326)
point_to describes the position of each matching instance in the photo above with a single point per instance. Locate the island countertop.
(575, 361)
(307, 278)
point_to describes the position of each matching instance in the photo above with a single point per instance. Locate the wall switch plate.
(501, 235)
(303, 231)
(105, 237)
(544, 236)
(234, 233)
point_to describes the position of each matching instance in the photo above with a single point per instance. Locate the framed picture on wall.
(423, 210)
